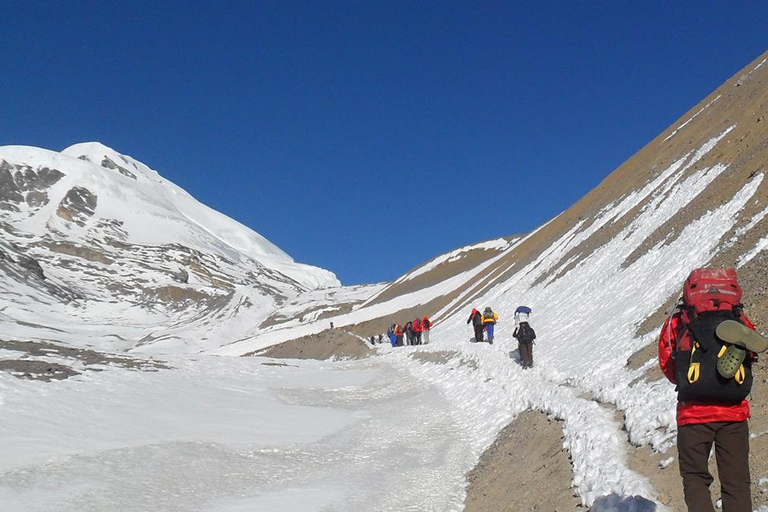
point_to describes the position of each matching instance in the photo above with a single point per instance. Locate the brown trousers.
(731, 439)
(526, 353)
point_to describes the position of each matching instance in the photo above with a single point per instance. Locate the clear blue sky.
(367, 137)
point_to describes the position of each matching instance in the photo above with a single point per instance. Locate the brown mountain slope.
(739, 105)
(735, 112)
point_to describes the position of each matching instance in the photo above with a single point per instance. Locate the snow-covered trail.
(226, 434)
(397, 431)
(488, 388)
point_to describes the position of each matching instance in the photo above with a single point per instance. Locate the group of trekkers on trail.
(486, 321)
(414, 332)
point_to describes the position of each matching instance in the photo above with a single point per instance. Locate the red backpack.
(710, 296)
(712, 289)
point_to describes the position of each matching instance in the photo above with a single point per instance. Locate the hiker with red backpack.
(426, 325)
(417, 329)
(707, 347)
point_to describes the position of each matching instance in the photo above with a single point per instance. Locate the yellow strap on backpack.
(694, 372)
(694, 369)
(740, 376)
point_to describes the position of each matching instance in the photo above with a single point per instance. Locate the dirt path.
(526, 468)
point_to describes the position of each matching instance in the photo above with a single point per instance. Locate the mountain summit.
(97, 231)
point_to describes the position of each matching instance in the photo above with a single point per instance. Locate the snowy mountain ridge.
(153, 210)
(117, 240)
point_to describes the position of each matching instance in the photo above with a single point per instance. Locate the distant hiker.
(409, 332)
(524, 334)
(399, 335)
(417, 331)
(489, 321)
(707, 347)
(378, 339)
(391, 334)
(373, 340)
(331, 325)
(477, 324)
(426, 325)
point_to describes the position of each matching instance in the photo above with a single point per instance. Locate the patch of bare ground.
(36, 370)
(442, 357)
(662, 471)
(331, 343)
(467, 261)
(277, 318)
(758, 426)
(439, 357)
(526, 468)
(39, 368)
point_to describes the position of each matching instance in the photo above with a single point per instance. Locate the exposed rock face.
(77, 206)
(22, 184)
(30, 264)
(9, 191)
(36, 199)
(28, 179)
(107, 163)
(19, 268)
(86, 253)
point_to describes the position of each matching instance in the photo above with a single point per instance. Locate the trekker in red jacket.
(417, 329)
(476, 318)
(426, 325)
(702, 423)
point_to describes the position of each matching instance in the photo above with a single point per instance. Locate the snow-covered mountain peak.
(70, 194)
(98, 226)
(108, 158)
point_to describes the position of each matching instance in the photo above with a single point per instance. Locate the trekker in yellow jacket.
(489, 321)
